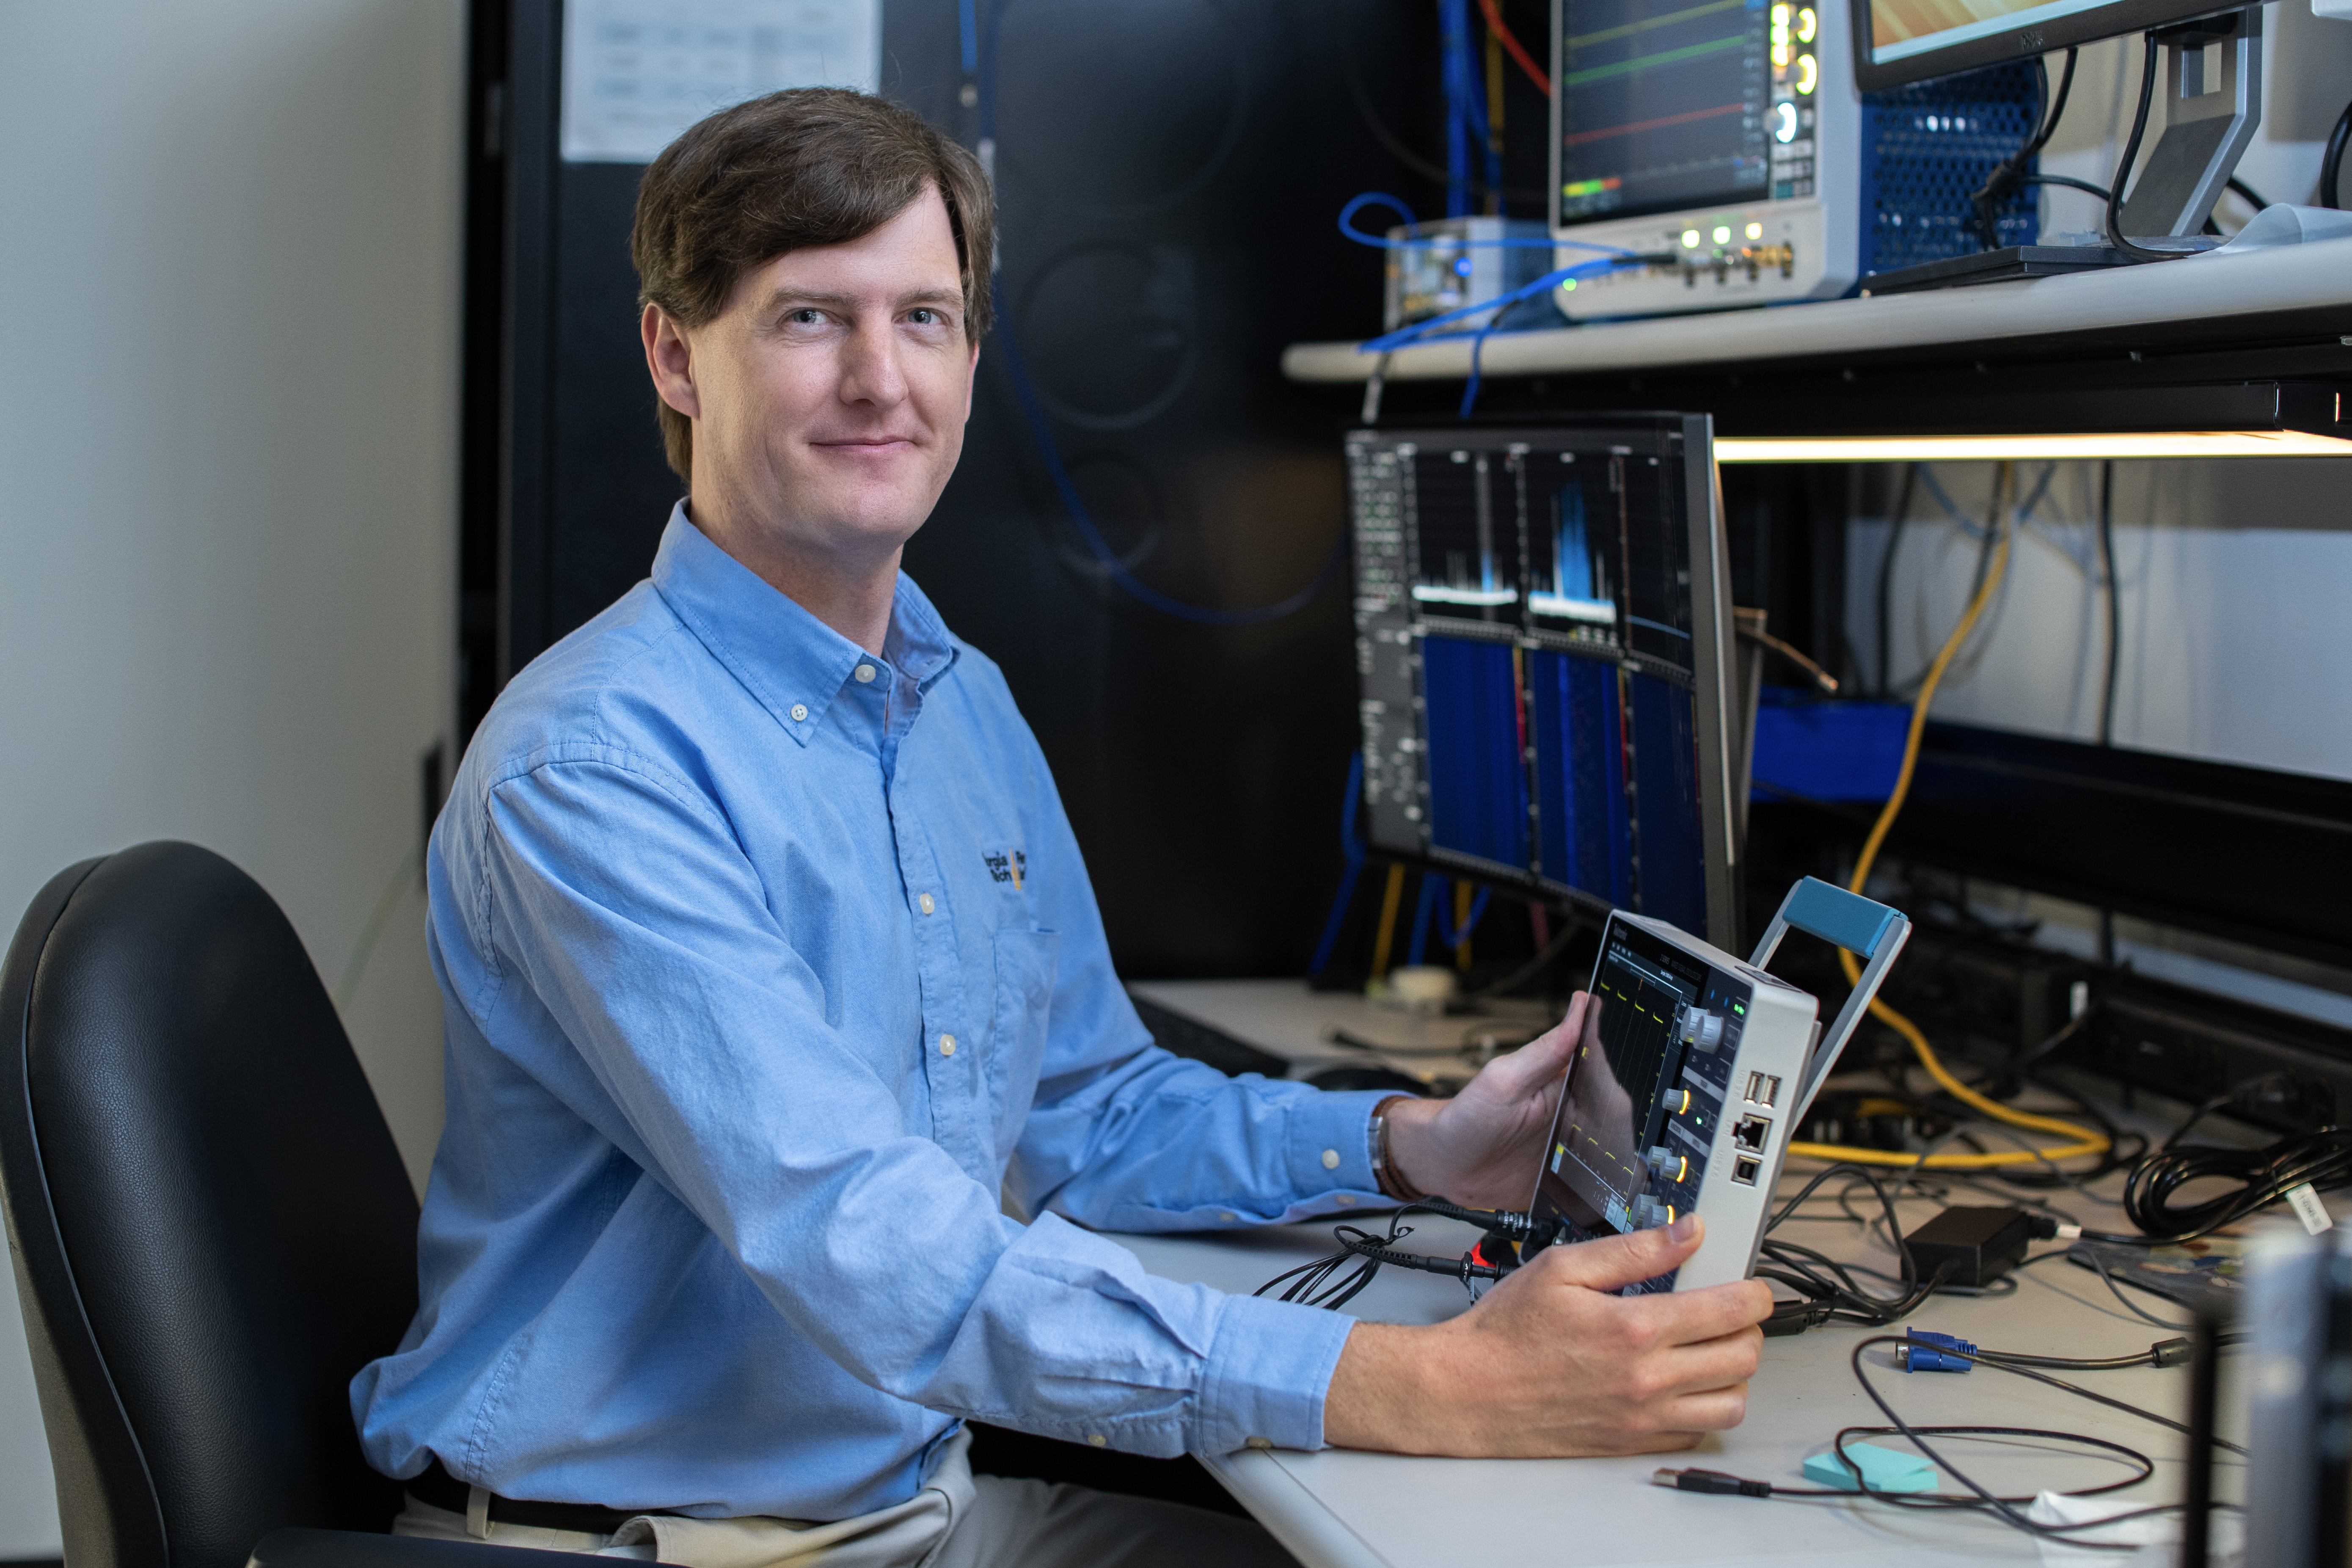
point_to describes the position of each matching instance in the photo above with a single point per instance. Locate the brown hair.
(809, 166)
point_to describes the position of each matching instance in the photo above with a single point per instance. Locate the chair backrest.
(211, 1228)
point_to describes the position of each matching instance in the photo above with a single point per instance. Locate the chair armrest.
(352, 1549)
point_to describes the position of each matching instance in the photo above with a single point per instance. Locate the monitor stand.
(2212, 99)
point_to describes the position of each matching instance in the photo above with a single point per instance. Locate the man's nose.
(870, 372)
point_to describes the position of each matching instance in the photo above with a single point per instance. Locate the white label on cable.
(2308, 1208)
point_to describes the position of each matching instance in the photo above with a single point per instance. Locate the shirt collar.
(791, 662)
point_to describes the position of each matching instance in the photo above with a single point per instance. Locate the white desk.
(1343, 1510)
(1284, 1018)
(2313, 281)
(1338, 1510)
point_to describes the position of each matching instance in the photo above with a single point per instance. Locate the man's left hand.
(1481, 1148)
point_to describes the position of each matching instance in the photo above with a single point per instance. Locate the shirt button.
(1347, 1200)
(1229, 1216)
(800, 712)
(924, 903)
(1098, 1439)
(1260, 1444)
(946, 1045)
(864, 673)
(1331, 1159)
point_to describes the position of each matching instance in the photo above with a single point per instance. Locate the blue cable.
(1456, 20)
(1445, 931)
(1355, 854)
(1433, 901)
(1382, 242)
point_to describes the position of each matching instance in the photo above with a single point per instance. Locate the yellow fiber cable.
(1389, 901)
(2085, 1141)
(1461, 924)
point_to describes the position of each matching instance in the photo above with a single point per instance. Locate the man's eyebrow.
(790, 299)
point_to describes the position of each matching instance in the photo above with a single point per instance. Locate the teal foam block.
(1887, 1470)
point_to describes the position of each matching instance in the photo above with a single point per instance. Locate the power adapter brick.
(1975, 1246)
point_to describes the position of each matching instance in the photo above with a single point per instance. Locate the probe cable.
(2085, 1141)
(1314, 1284)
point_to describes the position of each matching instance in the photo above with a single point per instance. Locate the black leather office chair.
(212, 1230)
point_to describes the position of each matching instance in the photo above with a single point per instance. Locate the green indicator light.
(1740, 1009)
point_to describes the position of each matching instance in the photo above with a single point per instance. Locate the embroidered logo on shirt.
(1010, 865)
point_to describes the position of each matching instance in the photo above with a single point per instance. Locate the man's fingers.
(1717, 1312)
(1614, 1262)
(1546, 1056)
(1716, 1410)
(1724, 1363)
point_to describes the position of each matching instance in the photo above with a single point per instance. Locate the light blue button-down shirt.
(767, 964)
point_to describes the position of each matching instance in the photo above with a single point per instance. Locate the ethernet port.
(1744, 1168)
(1749, 1131)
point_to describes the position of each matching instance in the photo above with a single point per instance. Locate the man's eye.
(923, 317)
(805, 317)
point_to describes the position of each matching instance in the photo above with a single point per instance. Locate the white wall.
(227, 483)
(2231, 581)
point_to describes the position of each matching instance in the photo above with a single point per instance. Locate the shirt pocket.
(1026, 962)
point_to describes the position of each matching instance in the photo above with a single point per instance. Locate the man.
(769, 961)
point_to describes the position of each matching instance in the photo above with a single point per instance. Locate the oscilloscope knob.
(1697, 1028)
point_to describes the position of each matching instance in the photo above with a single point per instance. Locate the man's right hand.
(1552, 1362)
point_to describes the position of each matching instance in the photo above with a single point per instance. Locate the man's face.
(829, 397)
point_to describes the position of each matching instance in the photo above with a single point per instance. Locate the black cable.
(2115, 600)
(2247, 192)
(1990, 1501)
(2010, 173)
(2137, 253)
(2069, 181)
(1715, 1481)
(1886, 572)
(2331, 162)
(2321, 1159)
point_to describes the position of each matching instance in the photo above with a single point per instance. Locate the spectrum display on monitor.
(1542, 626)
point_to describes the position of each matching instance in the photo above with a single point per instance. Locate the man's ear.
(669, 359)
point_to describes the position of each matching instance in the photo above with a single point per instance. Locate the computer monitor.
(1902, 41)
(2202, 119)
(1543, 622)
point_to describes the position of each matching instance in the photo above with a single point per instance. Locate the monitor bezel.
(2121, 18)
(1714, 680)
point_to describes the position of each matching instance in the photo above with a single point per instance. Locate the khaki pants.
(960, 1521)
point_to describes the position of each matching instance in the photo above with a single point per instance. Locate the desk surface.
(1344, 1510)
(2295, 288)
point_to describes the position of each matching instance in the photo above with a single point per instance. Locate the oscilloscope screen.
(1610, 1106)
(1662, 105)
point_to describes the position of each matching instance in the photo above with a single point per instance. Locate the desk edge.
(1293, 1516)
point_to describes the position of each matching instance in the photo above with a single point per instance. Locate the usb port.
(1749, 1133)
(1744, 1168)
(1763, 1088)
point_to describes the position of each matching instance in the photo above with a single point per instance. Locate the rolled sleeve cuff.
(1331, 1145)
(1269, 1368)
